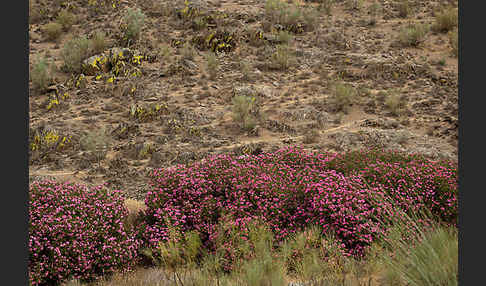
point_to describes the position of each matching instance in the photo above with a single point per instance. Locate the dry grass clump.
(446, 20)
(414, 34)
(74, 52)
(53, 31)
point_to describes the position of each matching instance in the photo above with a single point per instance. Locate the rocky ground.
(160, 104)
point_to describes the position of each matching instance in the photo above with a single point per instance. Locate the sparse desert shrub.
(246, 69)
(354, 4)
(96, 143)
(404, 9)
(34, 12)
(76, 232)
(275, 9)
(66, 19)
(212, 65)
(446, 20)
(375, 10)
(243, 109)
(284, 37)
(290, 16)
(74, 52)
(165, 52)
(133, 22)
(98, 42)
(40, 74)
(187, 51)
(395, 102)
(281, 58)
(343, 96)
(325, 6)
(53, 31)
(310, 19)
(413, 35)
(311, 136)
(454, 41)
(199, 23)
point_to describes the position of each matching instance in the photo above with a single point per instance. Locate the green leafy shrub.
(76, 232)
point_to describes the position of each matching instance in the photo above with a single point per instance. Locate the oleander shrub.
(413, 181)
(77, 233)
(349, 195)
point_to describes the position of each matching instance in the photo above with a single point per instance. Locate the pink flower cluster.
(291, 189)
(75, 232)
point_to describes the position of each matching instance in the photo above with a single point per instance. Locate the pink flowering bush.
(412, 181)
(75, 232)
(291, 189)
